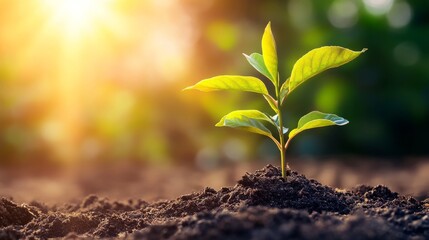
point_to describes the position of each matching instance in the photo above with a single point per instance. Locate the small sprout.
(309, 65)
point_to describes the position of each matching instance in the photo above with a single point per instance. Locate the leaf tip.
(345, 122)
(187, 88)
(268, 28)
(219, 124)
(364, 50)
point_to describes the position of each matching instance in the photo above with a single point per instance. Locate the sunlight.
(77, 16)
(75, 27)
(72, 50)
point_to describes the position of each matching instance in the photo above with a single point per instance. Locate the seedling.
(309, 65)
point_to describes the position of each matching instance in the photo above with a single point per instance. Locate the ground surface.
(261, 205)
(125, 181)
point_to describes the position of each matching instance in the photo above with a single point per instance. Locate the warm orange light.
(75, 49)
(77, 16)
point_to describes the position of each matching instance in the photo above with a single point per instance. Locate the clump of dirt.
(12, 214)
(261, 205)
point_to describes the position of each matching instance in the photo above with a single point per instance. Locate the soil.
(262, 205)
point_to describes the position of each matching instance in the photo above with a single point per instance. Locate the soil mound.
(262, 205)
(12, 214)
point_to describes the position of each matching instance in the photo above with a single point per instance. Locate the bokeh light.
(378, 7)
(301, 13)
(406, 53)
(343, 13)
(400, 15)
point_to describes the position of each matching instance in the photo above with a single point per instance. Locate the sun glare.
(77, 16)
(74, 49)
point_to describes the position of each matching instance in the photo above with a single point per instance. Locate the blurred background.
(100, 81)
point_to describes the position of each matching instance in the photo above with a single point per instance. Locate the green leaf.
(284, 90)
(319, 60)
(317, 119)
(269, 53)
(249, 120)
(272, 102)
(235, 117)
(231, 82)
(257, 61)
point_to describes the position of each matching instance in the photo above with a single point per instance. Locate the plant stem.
(287, 170)
(282, 144)
(281, 134)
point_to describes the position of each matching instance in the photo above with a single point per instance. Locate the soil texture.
(262, 205)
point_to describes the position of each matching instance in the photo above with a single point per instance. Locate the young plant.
(309, 65)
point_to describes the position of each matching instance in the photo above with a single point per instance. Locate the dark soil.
(261, 205)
